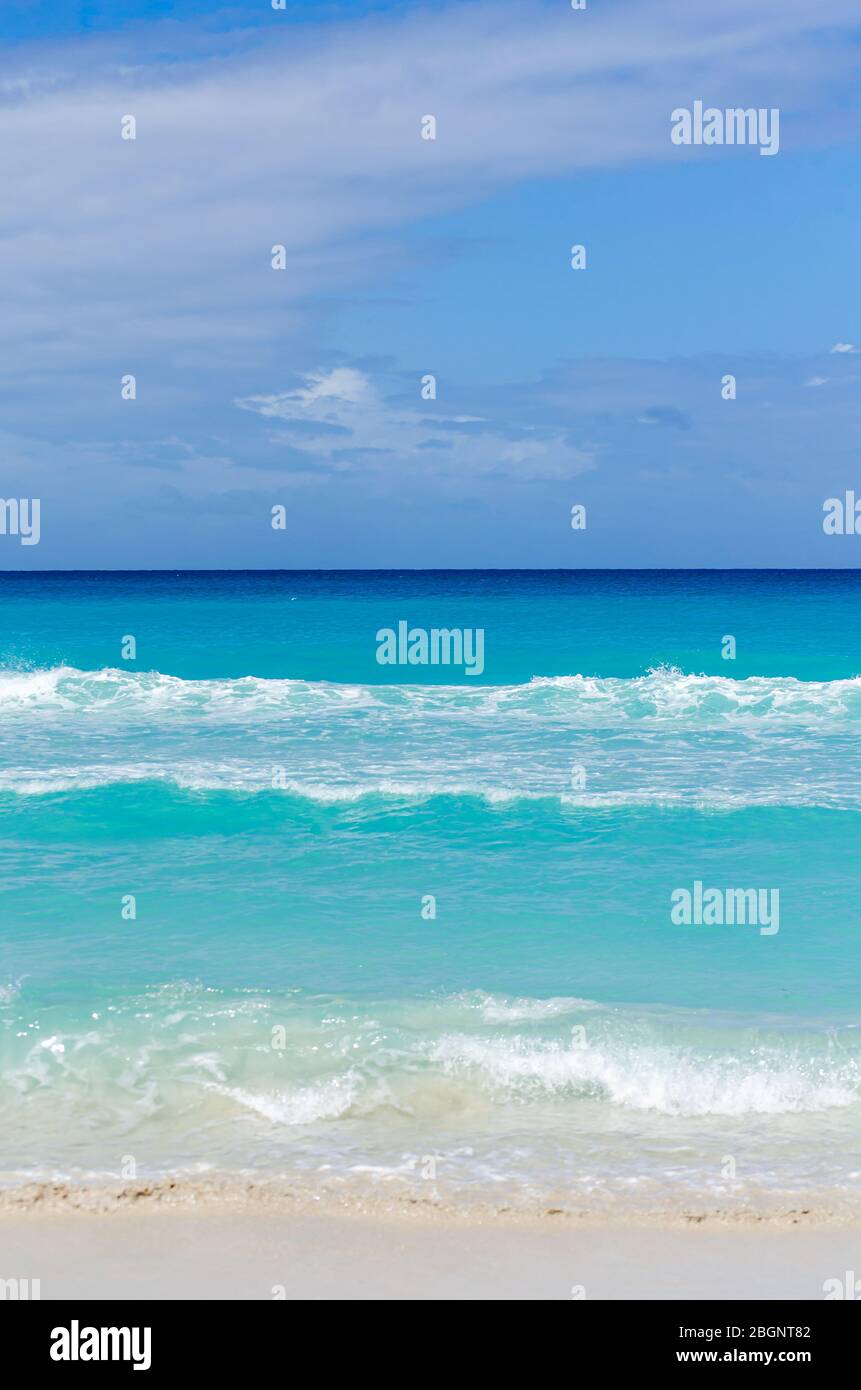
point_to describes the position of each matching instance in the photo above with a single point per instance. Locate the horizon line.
(446, 569)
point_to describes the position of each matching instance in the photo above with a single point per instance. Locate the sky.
(404, 257)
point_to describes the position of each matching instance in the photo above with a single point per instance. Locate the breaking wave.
(664, 695)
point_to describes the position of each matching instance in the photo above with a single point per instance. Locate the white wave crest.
(659, 1078)
(662, 695)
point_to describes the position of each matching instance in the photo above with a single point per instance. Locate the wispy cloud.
(159, 247)
(340, 405)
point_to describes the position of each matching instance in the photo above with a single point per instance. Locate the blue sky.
(39, 19)
(301, 387)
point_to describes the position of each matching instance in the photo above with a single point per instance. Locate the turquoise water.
(282, 807)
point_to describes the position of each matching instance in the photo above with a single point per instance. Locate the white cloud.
(844, 347)
(346, 426)
(328, 398)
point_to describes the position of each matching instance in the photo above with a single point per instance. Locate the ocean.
(273, 908)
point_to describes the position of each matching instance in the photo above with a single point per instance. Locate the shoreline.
(285, 1195)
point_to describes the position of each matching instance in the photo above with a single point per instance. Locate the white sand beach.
(155, 1245)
